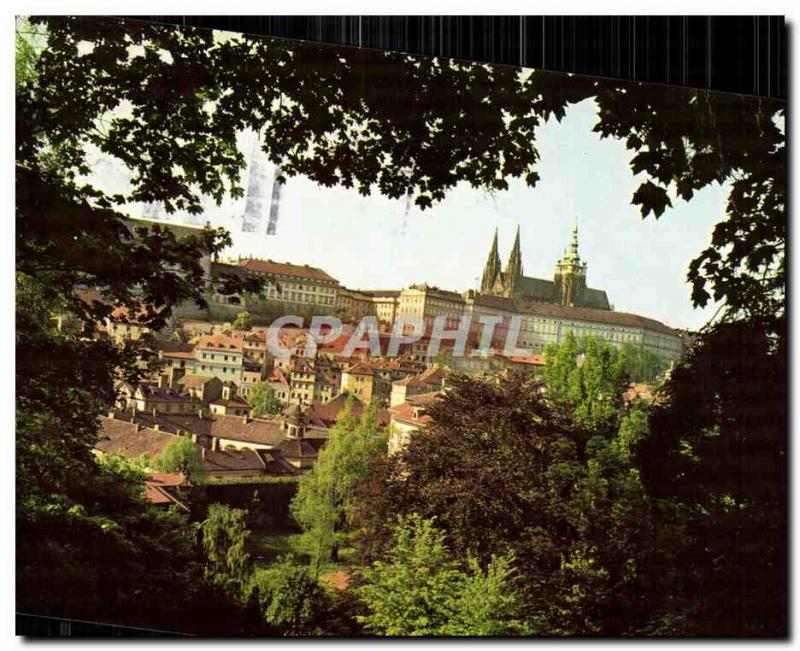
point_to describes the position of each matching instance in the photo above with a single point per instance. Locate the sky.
(374, 243)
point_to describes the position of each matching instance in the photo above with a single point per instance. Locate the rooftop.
(287, 269)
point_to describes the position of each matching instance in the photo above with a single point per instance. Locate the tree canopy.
(325, 497)
(421, 590)
(182, 456)
(263, 400)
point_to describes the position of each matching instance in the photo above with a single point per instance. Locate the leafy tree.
(29, 41)
(243, 321)
(517, 477)
(324, 503)
(224, 536)
(489, 603)
(263, 400)
(634, 426)
(181, 456)
(412, 593)
(420, 590)
(560, 369)
(715, 464)
(590, 386)
(642, 365)
(289, 598)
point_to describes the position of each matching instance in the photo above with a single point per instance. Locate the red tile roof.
(433, 376)
(287, 269)
(236, 428)
(360, 368)
(220, 342)
(327, 412)
(157, 485)
(533, 360)
(233, 462)
(165, 394)
(192, 381)
(277, 377)
(130, 440)
(298, 449)
(231, 402)
(178, 354)
(412, 410)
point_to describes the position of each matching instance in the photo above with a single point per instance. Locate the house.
(329, 411)
(409, 417)
(302, 380)
(177, 355)
(300, 453)
(431, 379)
(220, 356)
(150, 397)
(229, 407)
(250, 378)
(359, 380)
(204, 388)
(219, 464)
(223, 458)
(122, 327)
(131, 439)
(280, 385)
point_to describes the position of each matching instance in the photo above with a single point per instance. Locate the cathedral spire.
(492, 268)
(513, 271)
(570, 277)
(572, 254)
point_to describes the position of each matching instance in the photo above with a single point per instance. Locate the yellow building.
(219, 356)
(408, 418)
(359, 380)
(352, 305)
(426, 303)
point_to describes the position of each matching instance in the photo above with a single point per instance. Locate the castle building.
(568, 287)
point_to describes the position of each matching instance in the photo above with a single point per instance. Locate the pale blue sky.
(369, 243)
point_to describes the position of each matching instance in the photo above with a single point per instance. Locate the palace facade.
(547, 308)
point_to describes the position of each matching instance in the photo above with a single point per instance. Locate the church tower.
(570, 275)
(513, 272)
(492, 268)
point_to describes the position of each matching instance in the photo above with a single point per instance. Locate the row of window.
(233, 358)
(219, 369)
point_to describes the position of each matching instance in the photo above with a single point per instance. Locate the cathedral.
(567, 288)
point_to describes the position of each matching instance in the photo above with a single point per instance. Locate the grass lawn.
(267, 548)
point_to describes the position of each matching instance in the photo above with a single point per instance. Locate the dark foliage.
(717, 452)
(514, 476)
